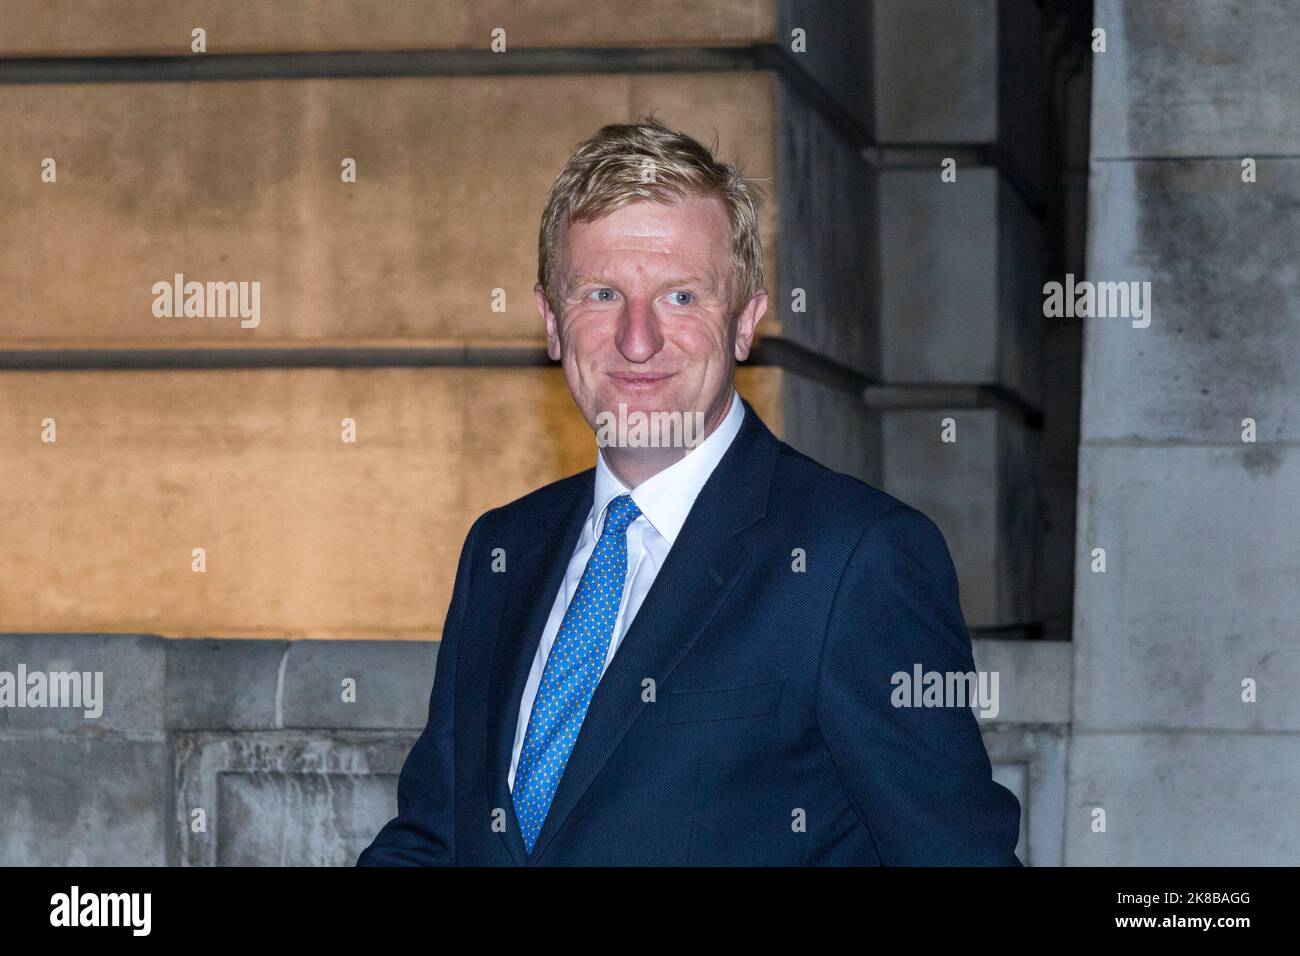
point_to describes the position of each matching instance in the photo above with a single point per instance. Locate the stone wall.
(915, 304)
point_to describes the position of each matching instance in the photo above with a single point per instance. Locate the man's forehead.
(642, 225)
(655, 213)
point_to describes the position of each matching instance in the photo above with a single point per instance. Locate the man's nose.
(639, 337)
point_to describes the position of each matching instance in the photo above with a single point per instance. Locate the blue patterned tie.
(573, 668)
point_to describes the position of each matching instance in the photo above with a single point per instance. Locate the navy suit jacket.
(746, 717)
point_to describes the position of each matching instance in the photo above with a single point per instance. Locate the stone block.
(103, 27)
(936, 70)
(285, 798)
(960, 292)
(78, 800)
(1222, 344)
(837, 52)
(119, 676)
(832, 427)
(1196, 78)
(388, 689)
(829, 209)
(1202, 556)
(303, 533)
(1033, 680)
(224, 684)
(980, 492)
(452, 175)
(1183, 799)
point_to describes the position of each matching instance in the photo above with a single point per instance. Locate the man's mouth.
(639, 380)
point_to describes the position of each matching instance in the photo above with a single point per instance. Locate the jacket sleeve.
(423, 832)
(919, 778)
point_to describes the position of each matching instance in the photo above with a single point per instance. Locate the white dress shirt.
(665, 499)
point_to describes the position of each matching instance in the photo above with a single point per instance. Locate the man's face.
(644, 303)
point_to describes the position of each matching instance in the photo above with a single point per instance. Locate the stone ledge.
(392, 684)
(131, 669)
(152, 685)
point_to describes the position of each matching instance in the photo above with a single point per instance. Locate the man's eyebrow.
(689, 280)
(576, 281)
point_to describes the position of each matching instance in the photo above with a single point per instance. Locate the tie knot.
(622, 512)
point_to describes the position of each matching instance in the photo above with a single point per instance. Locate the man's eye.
(600, 293)
(690, 297)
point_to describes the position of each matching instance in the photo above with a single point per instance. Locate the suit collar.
(699, 573)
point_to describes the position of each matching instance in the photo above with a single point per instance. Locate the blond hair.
(610, 170)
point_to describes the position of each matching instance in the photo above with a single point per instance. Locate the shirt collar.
(666, 498)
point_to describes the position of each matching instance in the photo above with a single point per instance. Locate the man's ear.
(552, 323)
(747, 322)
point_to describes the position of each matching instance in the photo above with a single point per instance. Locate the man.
(685, 655)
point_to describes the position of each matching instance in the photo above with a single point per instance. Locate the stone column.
(1198, 605)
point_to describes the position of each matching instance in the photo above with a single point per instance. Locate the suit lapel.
(707, 559)
(534, 573)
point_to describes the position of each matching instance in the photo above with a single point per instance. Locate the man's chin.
(642, 406)
(645, 422)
